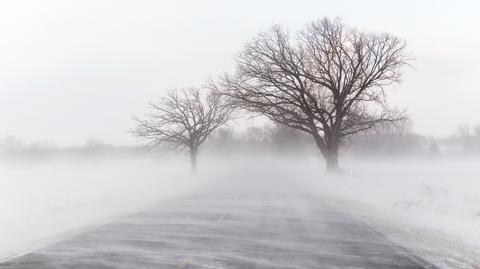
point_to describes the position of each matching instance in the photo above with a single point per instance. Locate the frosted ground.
(433, 206)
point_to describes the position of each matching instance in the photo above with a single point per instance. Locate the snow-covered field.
(41, 200)
(443, 195)
(435, 204)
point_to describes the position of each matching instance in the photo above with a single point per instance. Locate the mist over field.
(430, 203)
(45, 199)
(249, 134)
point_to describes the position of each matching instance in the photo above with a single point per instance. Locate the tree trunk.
(331, 156)
(331, 161)
(329, 151)
(193, 160)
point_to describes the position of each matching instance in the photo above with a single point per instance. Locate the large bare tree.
(329, 80)
(183, 120)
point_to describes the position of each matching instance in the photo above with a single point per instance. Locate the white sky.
(70, 70)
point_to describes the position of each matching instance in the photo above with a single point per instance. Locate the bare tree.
(329, 81)
(11, 144)
(464, 131)
(183, 120)
(466, 137)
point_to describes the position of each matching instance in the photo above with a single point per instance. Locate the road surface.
(247, 227)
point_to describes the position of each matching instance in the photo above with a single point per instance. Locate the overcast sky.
(70, 70)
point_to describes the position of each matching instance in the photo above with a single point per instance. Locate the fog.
(421, 192)
(76, 78)
(46, 200)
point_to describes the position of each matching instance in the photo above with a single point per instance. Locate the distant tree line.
(271, 139)
(13, 148)
(466, 139)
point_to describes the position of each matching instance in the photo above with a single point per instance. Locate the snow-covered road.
(235, 224)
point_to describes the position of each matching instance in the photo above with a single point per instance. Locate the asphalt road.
(250, 227)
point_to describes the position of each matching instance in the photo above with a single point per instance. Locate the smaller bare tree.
(183, 120)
